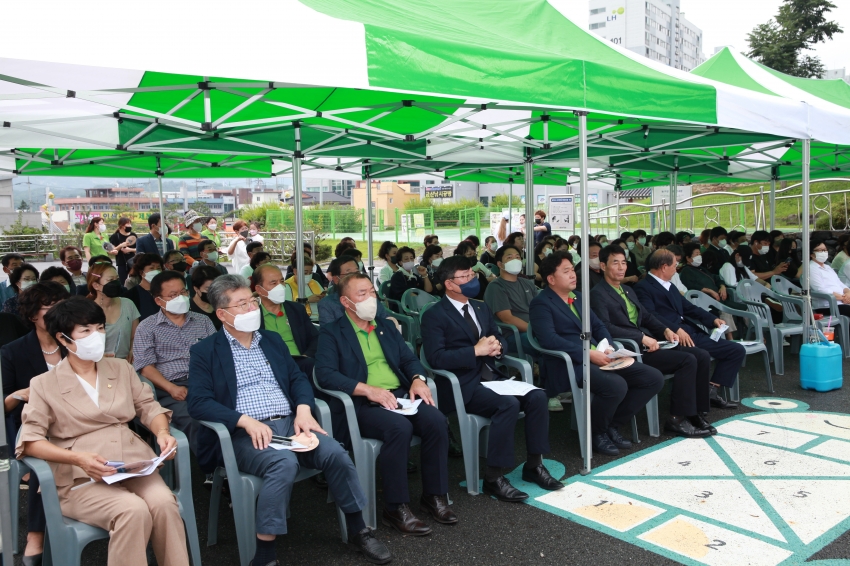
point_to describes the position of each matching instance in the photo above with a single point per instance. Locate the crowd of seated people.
(243, 352)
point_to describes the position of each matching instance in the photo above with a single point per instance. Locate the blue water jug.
(820, 366)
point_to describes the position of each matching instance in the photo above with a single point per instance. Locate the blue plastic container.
(820, 366)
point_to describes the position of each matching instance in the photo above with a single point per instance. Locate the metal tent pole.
(510, 209)
(773, 203)
(674, 195)
(299, 216)
(585, 297)
(529, 213)
(371, 266)
(807, 155)
(5, 497)
(163, 229)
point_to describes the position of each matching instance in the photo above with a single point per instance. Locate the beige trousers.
(133, 511)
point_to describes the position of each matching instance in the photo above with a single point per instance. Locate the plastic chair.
(408, 324)
(700, 299)
(494, 269)
(413, 300)
(17, 471)
(835, 318)
(579, 418)
(245, 488)
(383, 294)
(66, 538)
(653, 417)
(776, 333)
(474, 429)
(513, 330)
(366, 451)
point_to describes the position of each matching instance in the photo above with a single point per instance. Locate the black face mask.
(180, 266)
(538, 221)
(128, 229)
(393, 259)
(112, 289)
(204, 297)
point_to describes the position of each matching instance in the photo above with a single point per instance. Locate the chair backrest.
(425, 308)
(783, 285)
(413, 300)
(383, 290)
(494, 269)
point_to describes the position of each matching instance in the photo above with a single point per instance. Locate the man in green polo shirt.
(367, 358)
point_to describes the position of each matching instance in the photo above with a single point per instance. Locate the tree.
(799, 26)
(25, 206)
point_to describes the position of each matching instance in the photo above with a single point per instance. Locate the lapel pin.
(109, 386)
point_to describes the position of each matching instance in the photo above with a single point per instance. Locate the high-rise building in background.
(656, 29)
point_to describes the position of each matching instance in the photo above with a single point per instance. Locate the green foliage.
(24, 206)
(799, 25)
(201, 208)
(257, 212)
(21, 229)
(501, 201)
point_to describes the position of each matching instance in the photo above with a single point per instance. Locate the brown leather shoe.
(404, 521)
(438, 507)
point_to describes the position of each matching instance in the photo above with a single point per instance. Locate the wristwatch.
(421, 377)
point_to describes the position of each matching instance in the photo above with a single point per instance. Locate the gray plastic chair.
(494, 269)
(579, 419)
(17, 471)
(776, 333)
(700, 299)
(408, 324)
(366, 451)
(653, 417)
(245, 488)
(835, 318)
(513, 330)
(66, 538)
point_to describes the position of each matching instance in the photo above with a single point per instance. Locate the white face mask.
(593, 263)
(212, 226)
(603, 244)
(494, 246)
(101, 227)
(197, 226)
(151, 274)
(764, 249)
(630, 245)
(436, 262)
(547, 252)
(67, 287)
(360, 265)
(212, 256)
(277, 294)
(25, 284)
(641, 241)
(739, 263)
(721, 243)
(697, 261)
(821, 257)
(178, 305)
(514, 266)
(91, 347)
(407, 266)
(247, 321)
(315, 268)
(367, 309)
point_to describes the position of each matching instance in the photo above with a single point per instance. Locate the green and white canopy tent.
(375, 82)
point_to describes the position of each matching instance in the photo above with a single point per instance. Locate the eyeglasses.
(464, 277)
(183, 293)
(247, 306)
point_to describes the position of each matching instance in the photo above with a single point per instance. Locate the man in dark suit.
(556, 316)
(463, 338)
(151, 243)
(658, 295)
(245, 378)
(367, 358)
(618, 307)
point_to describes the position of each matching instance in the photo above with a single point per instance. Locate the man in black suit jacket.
(556, 320)
(660, 297)
(463, 338)
(367, 358)
(618, 307)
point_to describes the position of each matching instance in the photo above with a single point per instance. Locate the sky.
(727, 22)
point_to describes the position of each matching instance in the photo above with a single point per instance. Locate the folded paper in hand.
(293, 446)
(408, 407)
(509, 387)
(718, 332)
(621, 353)
(665, 345)
(137, 469)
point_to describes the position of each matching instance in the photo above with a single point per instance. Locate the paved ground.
(489, 532)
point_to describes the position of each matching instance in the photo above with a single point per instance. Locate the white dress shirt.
(730, 277)
(91, 391)
(459, 306)
(665, 284)
(677, 281)
(823, 279)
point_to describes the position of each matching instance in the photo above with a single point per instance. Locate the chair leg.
(573, 418)
(471, 450)
(343, 527)
(778, 355)
(652, 417)
(215, 502)
(244, 515)
(767, 375)
(484, 440)
(366, 474)
(580, 424)
(14, 502)
(635, 437)
(187, 511)
(734, 393)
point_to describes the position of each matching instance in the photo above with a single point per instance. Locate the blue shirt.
(258, 393)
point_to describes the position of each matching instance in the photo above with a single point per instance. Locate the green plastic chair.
(245, 488)
(66, 538)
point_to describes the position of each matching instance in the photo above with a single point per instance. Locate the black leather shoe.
(683, 427)
(455, 449)
(618, 440)
(602, 445)
(541, 476)
(717, 401)
(411, 467)
(404, 521)
(701, 423)
(251, 563)
(501, 489)
(438, 507)
(373, 550)
(32, 560)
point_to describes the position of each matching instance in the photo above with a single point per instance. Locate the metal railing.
(830, 210)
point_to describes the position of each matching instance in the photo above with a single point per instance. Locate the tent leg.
(772, 203)
(807, 157)
(585, 276)
(529, 214)
(674, 195)
(163, 230)
(371, 264)
(299, 218)
(5, 499)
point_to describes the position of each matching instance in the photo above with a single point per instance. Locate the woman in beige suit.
(76, 419)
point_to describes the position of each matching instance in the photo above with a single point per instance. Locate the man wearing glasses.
(161, 348)
(245, 379)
